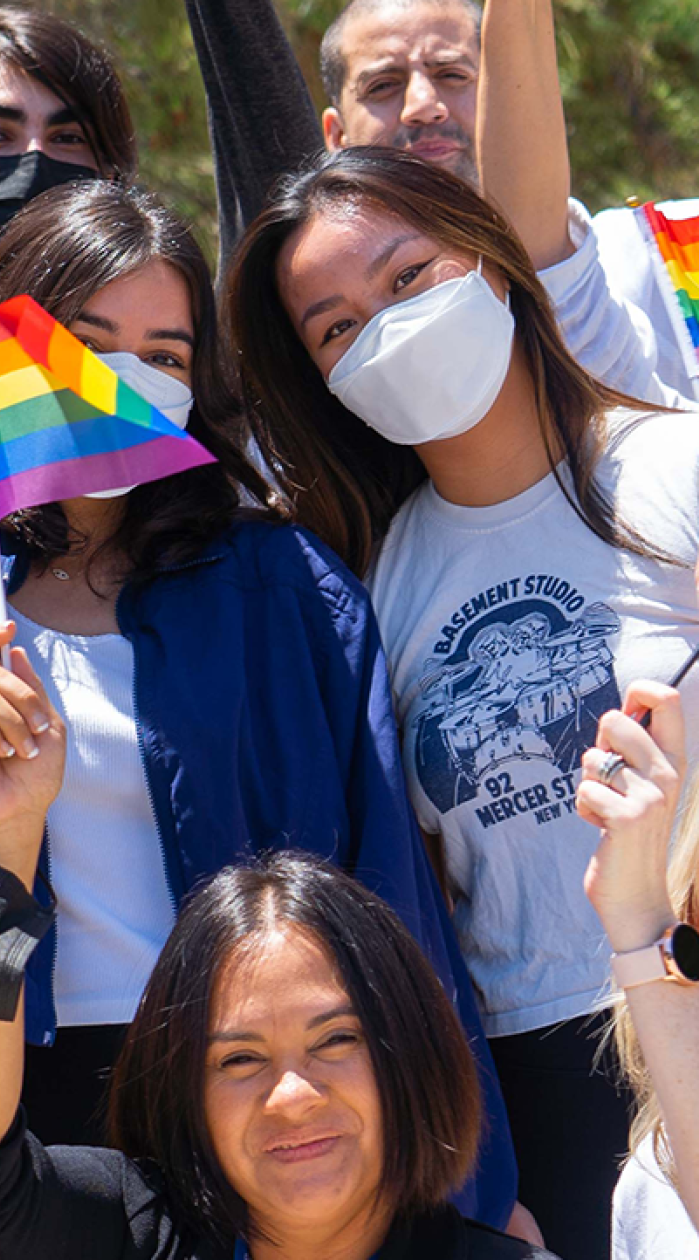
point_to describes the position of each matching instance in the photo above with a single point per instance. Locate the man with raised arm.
(407, 73)
(613, 329)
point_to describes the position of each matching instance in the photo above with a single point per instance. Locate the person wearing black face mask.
(24, 176)
(63, 115)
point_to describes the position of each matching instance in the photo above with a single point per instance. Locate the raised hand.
(32, 757)
(626, 880)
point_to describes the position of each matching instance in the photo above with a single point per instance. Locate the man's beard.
(463, 162)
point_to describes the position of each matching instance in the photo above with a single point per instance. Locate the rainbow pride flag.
(68, 425)
(672, 231)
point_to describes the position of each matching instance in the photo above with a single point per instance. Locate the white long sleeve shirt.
(620, 333)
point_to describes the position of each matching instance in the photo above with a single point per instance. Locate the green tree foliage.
(152, 45)
(628, 71)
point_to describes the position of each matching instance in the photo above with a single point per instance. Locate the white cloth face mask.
(430, 367)
(172, 397)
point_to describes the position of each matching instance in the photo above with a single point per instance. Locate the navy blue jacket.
(264, 717)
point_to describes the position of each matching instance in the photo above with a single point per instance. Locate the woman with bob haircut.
(220, 674)
(65, 114)
(528, 536)
(643, 901)
(295, 1083)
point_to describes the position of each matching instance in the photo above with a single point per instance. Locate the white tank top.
(115, 909)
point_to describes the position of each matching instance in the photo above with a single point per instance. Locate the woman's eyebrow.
(387, 253)
(239, 1034)
(320, 308)
(151, 334)
(97, 321)
(170, 334)
(232, 1034)
(336, 1012)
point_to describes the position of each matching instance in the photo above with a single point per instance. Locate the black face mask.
(26, 175)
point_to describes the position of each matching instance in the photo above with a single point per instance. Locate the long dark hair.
(61, 249)
(342, 478)
(425, 1075)
(80, 74)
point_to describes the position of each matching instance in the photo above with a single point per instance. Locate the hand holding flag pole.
(5, 658)
(69, 425)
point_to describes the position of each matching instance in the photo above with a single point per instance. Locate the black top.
(82, 1203)
(261, 117)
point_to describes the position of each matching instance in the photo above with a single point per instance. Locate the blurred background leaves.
(629, 71)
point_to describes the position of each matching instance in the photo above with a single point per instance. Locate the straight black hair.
(80, 74)
(424, 1069)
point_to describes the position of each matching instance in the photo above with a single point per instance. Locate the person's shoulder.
(672, 434)
(451, 1236)
(617, 225)
(102, 1191)
(490, 1244)
(649, 1216)
(642, 1179)
(101, 1173)
(269, 554)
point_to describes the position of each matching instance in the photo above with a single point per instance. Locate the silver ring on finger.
(611, 765)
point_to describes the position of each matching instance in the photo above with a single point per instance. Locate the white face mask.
(430, 367)
(172, 397)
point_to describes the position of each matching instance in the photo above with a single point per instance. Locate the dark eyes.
(158, 358)
(406, 277)
(339, 1039)
(336, 330)
(239, 1060)
(336, 1041)
(402, 281)
(384, 86)
(68, 138)
(163, 359)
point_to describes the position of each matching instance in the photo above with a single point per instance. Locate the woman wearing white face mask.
(537, 534)
(219, 674)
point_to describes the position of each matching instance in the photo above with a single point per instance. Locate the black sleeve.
(23, 922)
(76, 1203)
(261, 117)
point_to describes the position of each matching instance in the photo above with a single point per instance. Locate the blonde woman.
(630, 789)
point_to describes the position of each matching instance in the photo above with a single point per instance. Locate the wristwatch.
(674, 957)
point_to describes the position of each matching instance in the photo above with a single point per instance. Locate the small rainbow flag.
(672, 230)
(68, 425)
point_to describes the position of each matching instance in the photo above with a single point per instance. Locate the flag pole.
(5, 658)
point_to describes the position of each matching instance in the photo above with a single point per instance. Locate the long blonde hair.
(683, 886)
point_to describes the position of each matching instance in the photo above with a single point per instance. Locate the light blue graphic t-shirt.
(509, 630)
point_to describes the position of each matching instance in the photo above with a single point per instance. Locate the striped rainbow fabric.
(68, 425)
(677, 241)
